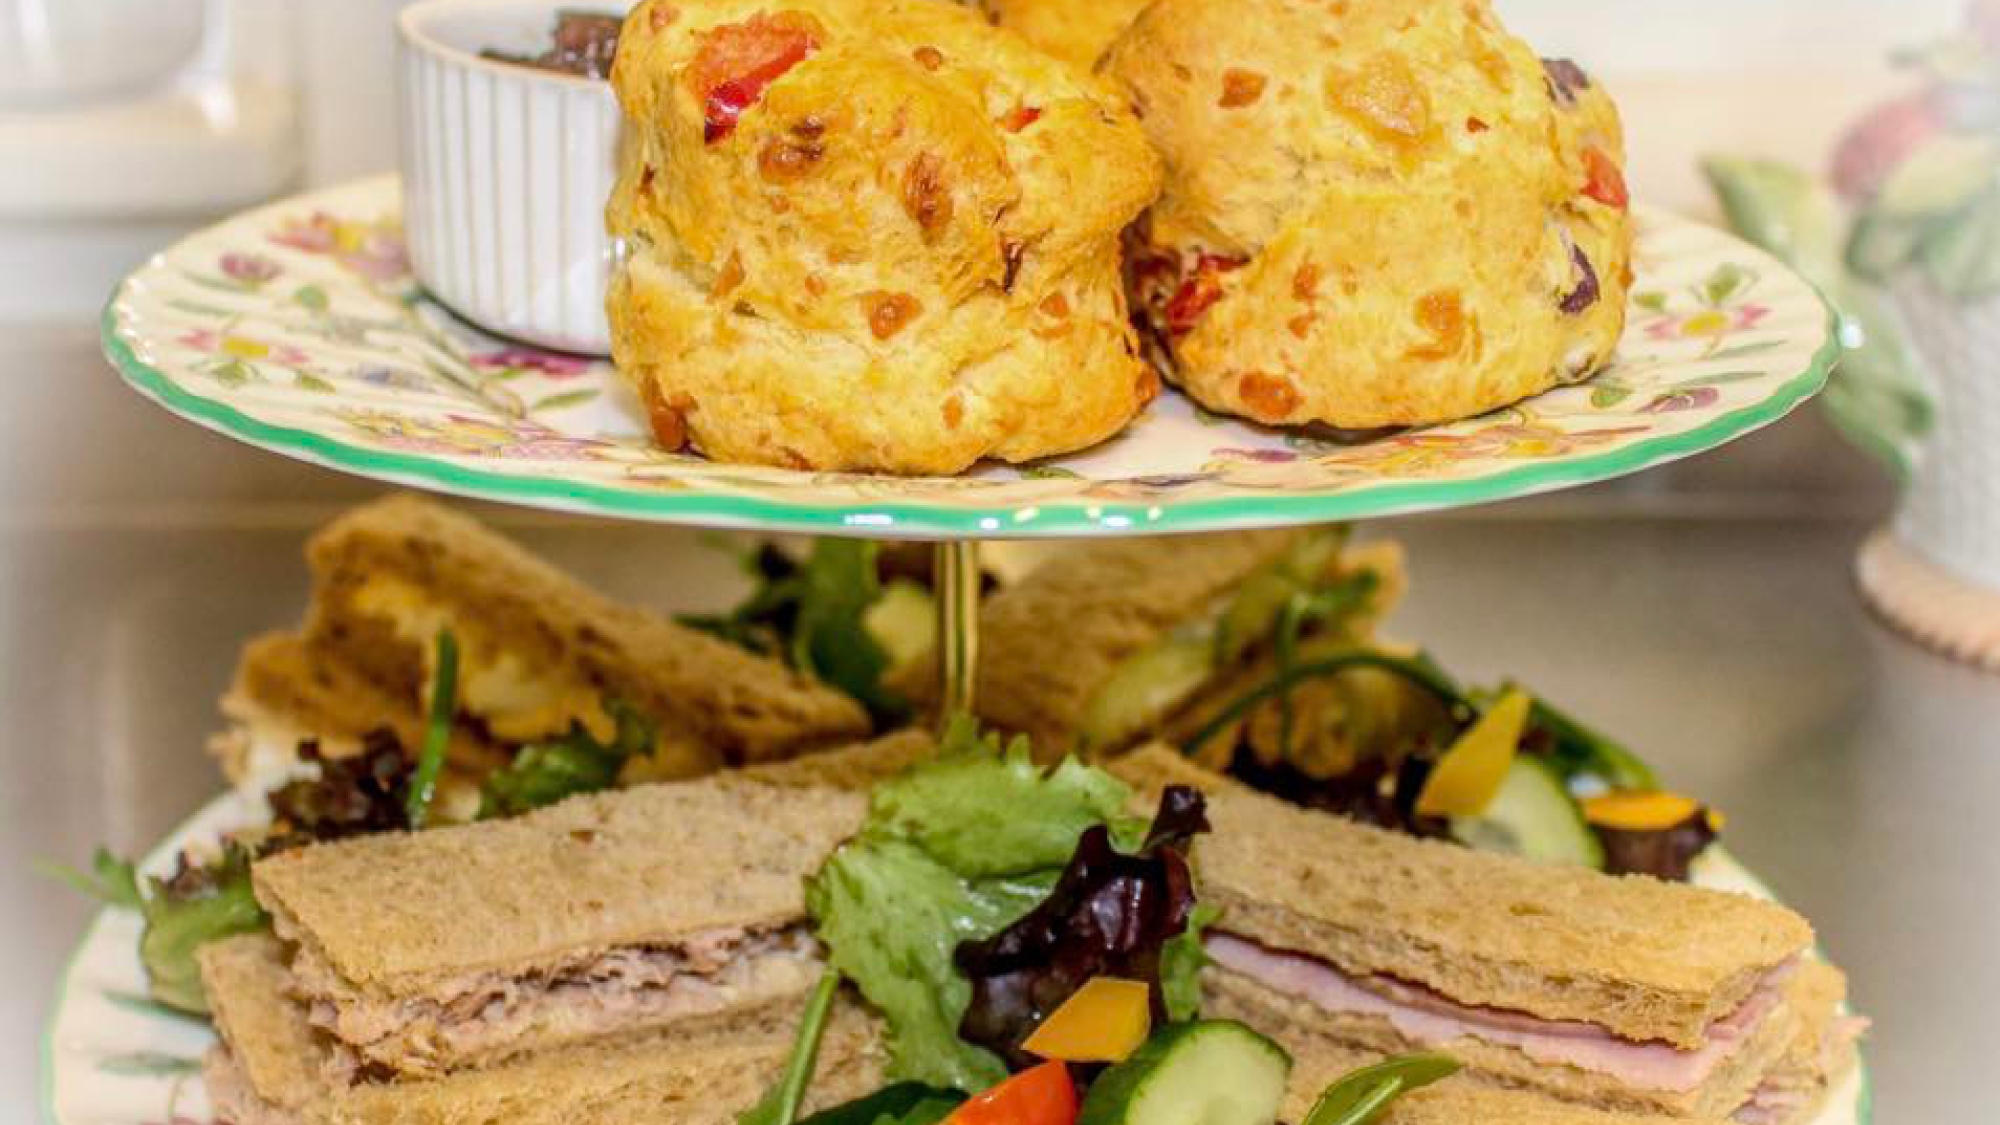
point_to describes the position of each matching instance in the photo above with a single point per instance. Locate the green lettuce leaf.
(546, 772)
(984, 811)
(814, 613)
(1181, 961)
(955, 850)
(890, 916)
(905, 1103)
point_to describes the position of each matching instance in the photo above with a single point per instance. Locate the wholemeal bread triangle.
(859, 767)
(274, 1068)
(745, 708)
(278, 1053)
(288, 686)
(1458, 1100)
(1647, 960)
(1303, 1027)
(396, 912)
(1050, 640)
(1822, 1051)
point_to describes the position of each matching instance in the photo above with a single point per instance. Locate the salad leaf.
(904, 1103)
(198, 904)
(966, 808)
(1110, 914)
(954, 850)
(890, 916)
(831, 639)
(781, 1105)
(814, 614)
(1181, 961)
(355, 796)
(1577, 749)
(110, 880)
(437, 731)
(1664, 853)
(1363, 1095)
(543, 773)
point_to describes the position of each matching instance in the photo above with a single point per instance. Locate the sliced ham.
(1428, 1019)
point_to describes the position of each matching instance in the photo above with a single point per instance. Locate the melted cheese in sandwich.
(516, 701)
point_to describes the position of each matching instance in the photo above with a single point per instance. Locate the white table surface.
(1705, 613)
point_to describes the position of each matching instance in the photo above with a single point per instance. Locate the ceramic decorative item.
(298, 328)
(1924, 175)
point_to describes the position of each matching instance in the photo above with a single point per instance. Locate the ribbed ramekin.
(506, 170)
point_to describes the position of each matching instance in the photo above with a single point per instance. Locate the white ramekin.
(506, 170)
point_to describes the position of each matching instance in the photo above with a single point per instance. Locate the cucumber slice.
(1534, 817)
(1880, 244)
(1252, 611)
(1208, 1072)
(1962, 254)
(1145, 687)
(903, 621)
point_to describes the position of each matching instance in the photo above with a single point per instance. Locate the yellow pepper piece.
(1103, 1021)
(1638, 810)
(1470, 773)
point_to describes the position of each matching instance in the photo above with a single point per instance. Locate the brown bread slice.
(291, 687)
(274, 1068)
(743, 707)
(858, 767)
(1301, 1026)
(1048, 641)
(1458, 1100)
(1648, 960)
(399, 913)
(1823, 1051)
(279, 1055)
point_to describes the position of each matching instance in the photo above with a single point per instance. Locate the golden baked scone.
(871, 235)
(1375, 214)
(1075, 31)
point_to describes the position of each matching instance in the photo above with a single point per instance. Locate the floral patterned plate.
(113, 1057)
(298, 328)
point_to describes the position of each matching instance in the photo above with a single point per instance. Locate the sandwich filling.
(1430, 1019)
(489, 1015)
(1800, 1082)
(519, 701)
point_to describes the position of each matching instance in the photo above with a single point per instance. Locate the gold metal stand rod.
(957, 574)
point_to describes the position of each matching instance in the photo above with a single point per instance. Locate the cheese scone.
(1375, 214)
(871, 235)
(1075, 31)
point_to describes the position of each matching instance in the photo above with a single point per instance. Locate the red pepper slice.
(1198, 293)
(1040, 1095)
(1020, 117)
(1606, 183)
(738, 61)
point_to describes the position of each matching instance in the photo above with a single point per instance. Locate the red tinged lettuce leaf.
(353, 796)
(1664, 853)
(1110, 914)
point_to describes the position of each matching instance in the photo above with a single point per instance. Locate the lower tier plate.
(113, 1057)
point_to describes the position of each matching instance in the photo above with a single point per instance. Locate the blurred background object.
(1906, 242)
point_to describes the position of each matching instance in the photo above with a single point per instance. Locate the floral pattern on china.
(300, 328)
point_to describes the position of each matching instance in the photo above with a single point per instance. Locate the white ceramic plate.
(297, 328)
(113, 1057)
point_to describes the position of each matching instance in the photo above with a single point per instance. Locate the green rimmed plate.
(297, 328)
(113, 1058)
